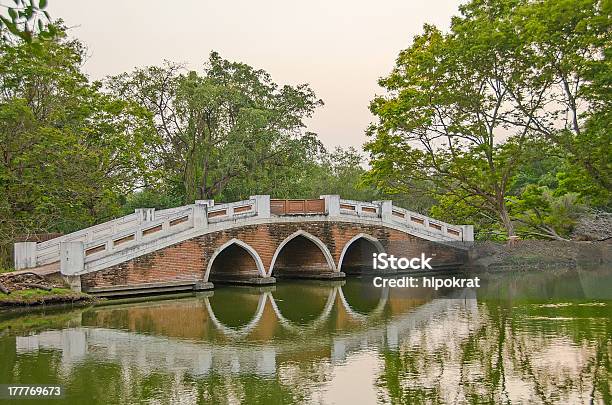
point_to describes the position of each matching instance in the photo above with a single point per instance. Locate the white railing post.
(262, 205)
(72, 258)
(386, 210)
(207, 203)
(145, 214)
(332, 204)
(200, 214)
(25, 255)
(468, 233)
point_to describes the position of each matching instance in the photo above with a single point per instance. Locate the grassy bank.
(36, 296)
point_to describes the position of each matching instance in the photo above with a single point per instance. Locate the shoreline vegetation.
(25, 289)
(39, 297)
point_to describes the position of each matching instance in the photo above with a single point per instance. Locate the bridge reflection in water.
(261, 326)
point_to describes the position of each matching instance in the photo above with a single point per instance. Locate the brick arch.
(189, 259)
(235, 242)
(360, 236)
(316, 241)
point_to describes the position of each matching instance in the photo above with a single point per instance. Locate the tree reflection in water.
(536, 348)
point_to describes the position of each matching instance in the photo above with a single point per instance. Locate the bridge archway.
(302, 252)
(356, 255)
(234, 259)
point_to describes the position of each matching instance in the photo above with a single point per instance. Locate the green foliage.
(36, 292)
(543, 214)
(307, 171)
(551, 191)
(224, 124)
(27, 21)
(35, 296)
(69, 152)
(591, 175)
(464, 111)
(150, 198)
(457, 208)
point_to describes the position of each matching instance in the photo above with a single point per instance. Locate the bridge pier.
(367, 270)
(150, 288)
(308, 274)
(241, 280)
(74, 282)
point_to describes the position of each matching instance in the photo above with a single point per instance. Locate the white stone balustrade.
(359, 208)
(432, 226)
(147, 225)
(233, 211)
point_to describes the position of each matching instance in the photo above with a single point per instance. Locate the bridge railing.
(232, 211)
(169, 212)
(178, 221)
(359, 208)
(120, 233)
(426, 224)
(390, 213)
(146, 224)
(49, 251)
(108, 235)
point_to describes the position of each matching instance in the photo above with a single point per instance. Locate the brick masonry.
(188, 260)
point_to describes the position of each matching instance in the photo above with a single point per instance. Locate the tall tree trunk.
(505, 218)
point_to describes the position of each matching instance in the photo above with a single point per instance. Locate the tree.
(68, 153)
(217, 126)
(569, 45)
(439, 125)
(460, 107)
(343, 176)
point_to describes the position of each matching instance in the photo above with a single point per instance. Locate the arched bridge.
(251, 241)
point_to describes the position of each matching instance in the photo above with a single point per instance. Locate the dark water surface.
(522, 338)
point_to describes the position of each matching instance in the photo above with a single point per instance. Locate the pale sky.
(339, 47)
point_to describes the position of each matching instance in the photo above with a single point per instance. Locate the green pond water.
(538, 337)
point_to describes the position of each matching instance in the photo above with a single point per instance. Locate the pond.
(538, 337)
